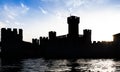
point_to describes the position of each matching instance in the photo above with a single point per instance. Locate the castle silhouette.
(72, 45)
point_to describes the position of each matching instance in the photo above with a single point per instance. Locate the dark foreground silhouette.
(72, 45)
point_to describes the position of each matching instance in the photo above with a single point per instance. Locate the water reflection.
(99, 65)
(80, 65)
(40, 65)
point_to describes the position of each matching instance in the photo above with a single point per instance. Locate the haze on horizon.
(38, 17)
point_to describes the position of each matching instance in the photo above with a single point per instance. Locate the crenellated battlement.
(43, 38)
(35, 41)
(86, 31)
(14, 30)
(11, 36)
(52, 35)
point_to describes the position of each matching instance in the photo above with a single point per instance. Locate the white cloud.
(75, 4)
(22, 5)
(43, 10)
(72, 6)
(24, 8)
(8, 12)
(11, 12)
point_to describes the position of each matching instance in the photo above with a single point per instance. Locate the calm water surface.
(79, 65)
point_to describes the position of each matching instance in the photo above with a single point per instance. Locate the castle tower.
(21, 34)
(87, 35)
(52, 35)
(73, 26)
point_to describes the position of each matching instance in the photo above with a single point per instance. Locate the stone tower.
(73, 26)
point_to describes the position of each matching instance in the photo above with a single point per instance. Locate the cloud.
(74, 3)
(11, 15)
(85, 4)
(8, 12)
(22, 5)
(12, 12)
(43, 10)
(24, 8)
(72, 6)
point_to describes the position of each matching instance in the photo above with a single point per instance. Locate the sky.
(38, 17)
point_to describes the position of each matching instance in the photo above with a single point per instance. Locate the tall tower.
(87, 35)
(73, 26)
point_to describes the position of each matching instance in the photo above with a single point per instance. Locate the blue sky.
(38, 17)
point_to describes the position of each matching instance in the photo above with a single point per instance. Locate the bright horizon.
(38, 17)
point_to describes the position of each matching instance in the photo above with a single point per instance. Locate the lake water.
(63, 65)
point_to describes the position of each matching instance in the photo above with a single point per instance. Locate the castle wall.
(11, 41)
